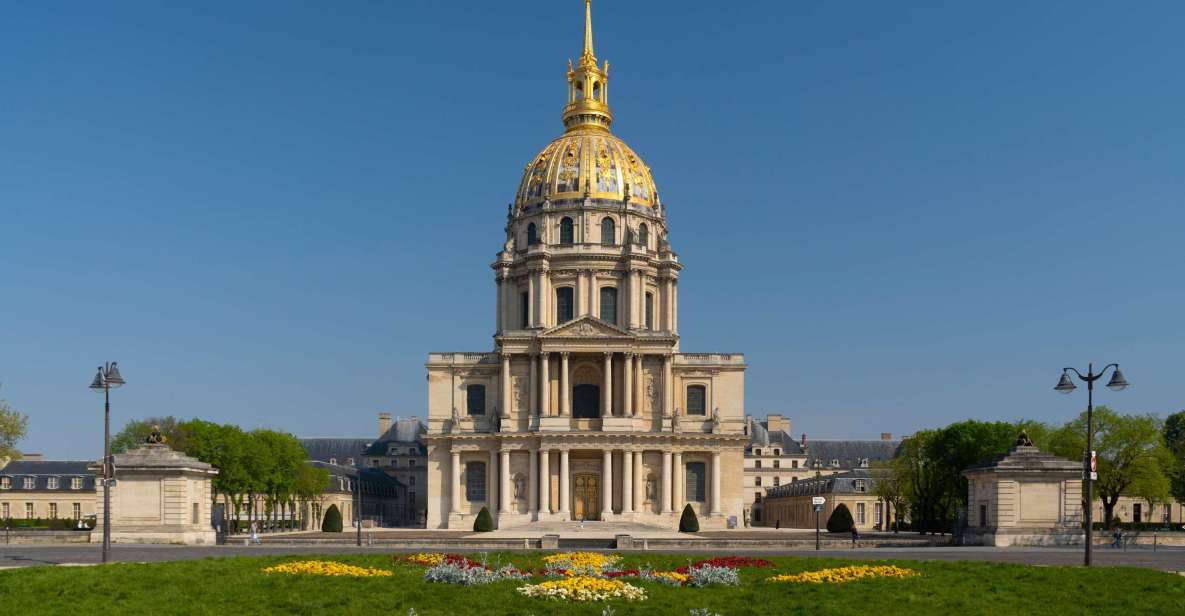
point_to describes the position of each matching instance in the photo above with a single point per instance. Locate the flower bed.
(432, 559)
(733, 562)
(581, 561)
(839, 575)
(584, 588)
(324, 567)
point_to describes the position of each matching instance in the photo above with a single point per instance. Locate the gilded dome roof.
(593, 161)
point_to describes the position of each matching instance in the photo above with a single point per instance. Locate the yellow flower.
(322, 567)
(584, 588)
(674, 576)
(845, 574)
(427, 559)
(581, 560)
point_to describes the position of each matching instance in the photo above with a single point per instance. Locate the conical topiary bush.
(688, 523)
(840, 520)
(484, 522)
(332, 523)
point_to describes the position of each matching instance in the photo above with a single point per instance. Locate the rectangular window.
(53, 511)
(411, 463)
(524, 305)
(52, 483)
(696, 395)
(758, 464)
(777, 481)
(860, 514)
(983, 515)
(777, 464)
(4, 512)
(196, 511)
(411, 481)
(5, 483)
(475, 396)
(758, 480)
(649, 311)
(609, 305)
(696, 488)
(475, 482)
(28, 483)
(76, 509)
(392, 450)
(76, 483)
(29, 511)
(1136, 513)
(794, 464)
(564, 305)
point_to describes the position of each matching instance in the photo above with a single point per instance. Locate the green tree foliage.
(890, 489)
(484, 522)
(135, 433)
(13, 425)
(333, 520)
(311, 482)
(840, 520)
(1129, 449)
(688, 522)
(1174, 441)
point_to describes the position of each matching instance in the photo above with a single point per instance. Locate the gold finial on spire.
(588, 40)
(588, 100)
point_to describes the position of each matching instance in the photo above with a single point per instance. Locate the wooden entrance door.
(586, 496)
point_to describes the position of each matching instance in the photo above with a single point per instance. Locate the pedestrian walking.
(255, 535)
(855, 535)
(1117, 538)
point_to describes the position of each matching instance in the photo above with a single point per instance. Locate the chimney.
(777, 423)
(384, 423)
(804, 439)
(886, 436)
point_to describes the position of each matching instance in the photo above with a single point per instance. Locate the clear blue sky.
(903, 214)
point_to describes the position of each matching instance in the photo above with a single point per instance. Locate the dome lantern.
(588, 95)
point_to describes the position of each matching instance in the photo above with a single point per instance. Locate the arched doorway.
(586, 401)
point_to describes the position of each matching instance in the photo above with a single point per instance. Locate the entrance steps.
(570, 529)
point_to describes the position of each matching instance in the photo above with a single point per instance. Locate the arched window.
(643, 234)
(696, 394)
(609, 304)
(475, 398)
(608, 232)
(532, 235)
(650, 311)
(566, 235)
(475, 482)
(696, 488)
(563, 305)
(596, 90)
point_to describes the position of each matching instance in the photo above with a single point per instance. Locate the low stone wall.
(621, 542)
(1142, 538)
(44, 536)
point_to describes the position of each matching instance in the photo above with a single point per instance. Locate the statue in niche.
(521, 393)
(677, 421)
(716, 418)
(651, 488)
(651, 393)
(520, 487)
(456, 419)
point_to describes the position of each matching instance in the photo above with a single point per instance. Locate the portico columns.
(715, 483)
(639, 482)
(564, 481)
(666, 482)
(606, 484)
(607, 387)
(565, 395)
(534, 385)
(504, 482)
(678, 499)
(544, 481)
(544, 385)
(627, 386)
(505, 397)
(627, 482)
(455, 496)
(533, 484)
(640, 404)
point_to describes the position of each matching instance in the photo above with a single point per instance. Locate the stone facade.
(160, 496)
(790, 506)
(47, 489)
(587, 409)
(1024, 497)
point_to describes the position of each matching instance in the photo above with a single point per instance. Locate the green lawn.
(236, 586)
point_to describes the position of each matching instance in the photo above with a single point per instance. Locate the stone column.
(544, 384)
(579, 295)
(639, 482)
(505, 497)
(627, 385)
(675, 305)
(533, 484)
(546, 314)
(627, 482)
(532, 300)
(534, 385)
(715, 483)
(506, 385)
(606, 484)
(678, 479)
(499, 317)
(564, 482)
(544, 481)
(666, 482)
(594, 296)
(455, 497)
(607, 387)
(639, 391)
(668, 386)
(565, 394)
(493, 480)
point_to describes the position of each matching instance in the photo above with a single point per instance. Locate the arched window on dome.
(643, 234)
(532, 235)
(608, 231)
(609, 304)
(596, 91)
(566, 232)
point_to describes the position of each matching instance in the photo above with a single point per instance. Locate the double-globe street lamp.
(107, 379)
(1066, 385)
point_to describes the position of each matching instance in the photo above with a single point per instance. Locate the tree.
(1153, 488)
(13, 425)
(484, 523)
(333, 520)
(1128, 448)
(310, 483)
(889, 486)
(135, 433)
(840, 520)
(1174, 441)
(688, 523)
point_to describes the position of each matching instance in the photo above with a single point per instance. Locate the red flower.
(731, 562)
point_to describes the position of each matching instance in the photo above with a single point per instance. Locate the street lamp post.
(107, 379)
(1066, 385)
(358, 503)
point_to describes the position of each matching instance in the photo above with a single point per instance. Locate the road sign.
(818, 500)
(1094, 462)
(1094, 476)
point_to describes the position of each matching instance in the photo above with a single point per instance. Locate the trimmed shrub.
(688, 523)
(484, 522)
(840, 520)
(332, 523)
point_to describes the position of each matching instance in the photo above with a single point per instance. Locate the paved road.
(1168, 559)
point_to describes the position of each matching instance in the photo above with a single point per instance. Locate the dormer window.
(52, 483)
(5, 483)
(29, 483)
(860, 487)
(333, 461)
(834, 461)
(392, 450)
(76, 483)
(349, 461)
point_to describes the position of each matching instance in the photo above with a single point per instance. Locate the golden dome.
(593, 163)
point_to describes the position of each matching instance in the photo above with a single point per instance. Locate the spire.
(588, 100)
(588, 40)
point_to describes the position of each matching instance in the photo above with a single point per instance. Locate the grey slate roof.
(840, 483)
(404, 431)
(848, 454)
(339, 449)
(374, 480)
(42, 470)
(762, 437)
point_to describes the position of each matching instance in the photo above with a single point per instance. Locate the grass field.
(237, 586)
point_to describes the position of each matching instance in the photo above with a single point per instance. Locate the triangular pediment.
(586, 327)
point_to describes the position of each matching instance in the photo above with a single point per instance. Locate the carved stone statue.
(156, 438)
(677, 420)
(1023, 440)
(520, 487)
(456, 419)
